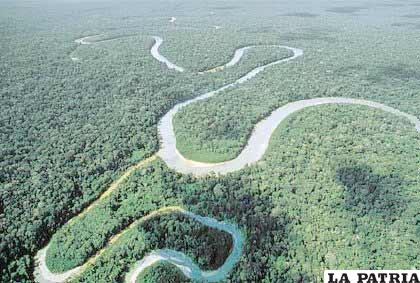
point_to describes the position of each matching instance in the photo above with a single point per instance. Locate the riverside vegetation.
(298, 219)
(336, 189)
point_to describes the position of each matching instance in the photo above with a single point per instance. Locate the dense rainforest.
(217, 129)
(299, 216)
(339, 187)
(71, 128)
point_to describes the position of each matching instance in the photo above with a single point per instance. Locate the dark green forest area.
(339, 187)
(301, 212)
(69, 129)
(210, 246)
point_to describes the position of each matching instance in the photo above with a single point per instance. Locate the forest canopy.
(338, 187)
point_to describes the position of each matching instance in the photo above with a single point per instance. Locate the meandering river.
(252, 152)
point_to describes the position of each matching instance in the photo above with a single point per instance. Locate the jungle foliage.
(218, 128)
(336, 190)
(300, 210)
(71, 128)
(208, 247)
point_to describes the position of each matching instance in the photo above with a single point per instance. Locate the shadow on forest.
(230, 199)
(370, 193)
(179, 232)
(400, 72)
